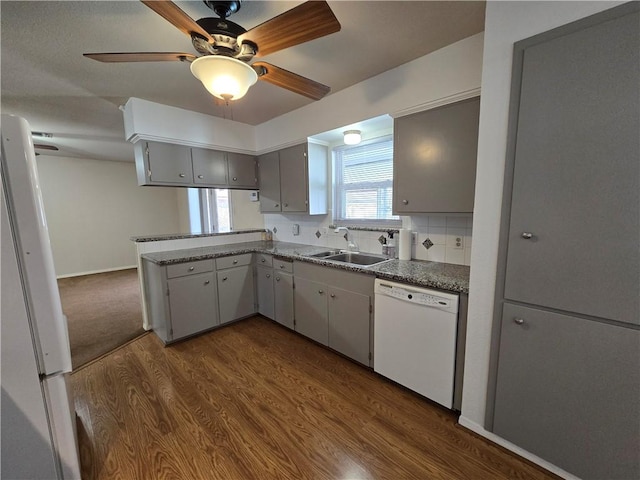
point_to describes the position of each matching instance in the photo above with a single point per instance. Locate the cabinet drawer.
(234, 261)
(189, 268)
(264, 260)
(283, 266)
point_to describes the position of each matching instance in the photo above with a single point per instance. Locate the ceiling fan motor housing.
(223, 8)
(225, 34)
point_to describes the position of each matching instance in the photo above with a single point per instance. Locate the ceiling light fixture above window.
(352, 137)
(224, 77)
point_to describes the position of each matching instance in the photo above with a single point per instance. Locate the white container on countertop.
(404, 244)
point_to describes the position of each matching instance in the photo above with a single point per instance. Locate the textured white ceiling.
(46, 79)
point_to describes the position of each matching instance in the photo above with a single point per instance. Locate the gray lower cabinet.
(434, 159)
(283, 298)
(578, 408)
(335, 309)
(265, 291)
(181, 299)
(236, 290)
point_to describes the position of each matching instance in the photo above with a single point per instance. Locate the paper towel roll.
(404, 244)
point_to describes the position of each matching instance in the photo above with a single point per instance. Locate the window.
(364, 182)
(209, 210)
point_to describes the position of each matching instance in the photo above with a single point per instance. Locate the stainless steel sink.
(357, 258)
(325, 254)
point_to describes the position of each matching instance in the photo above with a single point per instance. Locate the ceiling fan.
(226, 48)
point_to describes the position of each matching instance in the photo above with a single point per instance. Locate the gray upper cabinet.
(434, 159)
(242, 170)
(163, 164)
(269, 171)
(294, 180)
(575, 208)
(209, 167)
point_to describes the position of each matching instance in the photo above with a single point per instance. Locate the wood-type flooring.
(254, 400)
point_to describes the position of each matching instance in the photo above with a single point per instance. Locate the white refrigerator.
(38, 422)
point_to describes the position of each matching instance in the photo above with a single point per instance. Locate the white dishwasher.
(415, 338)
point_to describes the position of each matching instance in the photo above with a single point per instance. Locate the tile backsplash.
(450, 235)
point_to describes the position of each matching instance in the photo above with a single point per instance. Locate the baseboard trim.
(476, 428)
(80, 274)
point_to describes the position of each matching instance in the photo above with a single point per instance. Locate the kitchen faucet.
(351, 245)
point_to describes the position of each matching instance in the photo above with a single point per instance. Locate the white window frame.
(338, 207)
(203, 210)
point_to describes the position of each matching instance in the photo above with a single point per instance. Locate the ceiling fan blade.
(41, 146)
(174, 15)
(308, 21)
(141, 57)
(291, 81)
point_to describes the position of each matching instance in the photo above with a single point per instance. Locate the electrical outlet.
(459, 243)
(295, 229)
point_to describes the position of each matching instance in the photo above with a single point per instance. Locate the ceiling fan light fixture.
(224, 77)
(352, 137)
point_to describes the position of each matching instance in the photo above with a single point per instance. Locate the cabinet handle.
(206, 282)
(286, 204)
(235, 179)
(263, 260)
(235, 261)
(181, 175)
(527, 235)
(333, 295)
(276, 205)
(282, 266)
(200, 176)
(405, 202)
(191, 269)
(518, 321)
(268, 275)
(277, 279)
(224, 279)
(320, 292)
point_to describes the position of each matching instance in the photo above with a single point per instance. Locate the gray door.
(434, 159)
(236, 293)
(574, 231)
(283, 291)
(569, 392)
(169, 163)
(242, 170)
(264, 285)
(293, 178)
(269, 172)
(311, 310)
(209, 167)
(349, 324)
(193, 304)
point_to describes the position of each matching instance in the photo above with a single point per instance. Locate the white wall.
(93, 207)
(245, 214)
(506, 23)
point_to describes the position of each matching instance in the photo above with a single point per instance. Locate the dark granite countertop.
(444, 276)
(179, 236)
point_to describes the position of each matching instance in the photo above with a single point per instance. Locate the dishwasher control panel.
(418, 296)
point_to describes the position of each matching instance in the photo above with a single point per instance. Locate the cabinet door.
(169, 163)
(236, 293)
(575, 214)
(293, 179)
(349, 324)
(269, 173)
(283, 293)
(242, 170)
(568, 391)
(264, 286)
(311, 310)
(209, 167)
(434, 159)
(192, 304)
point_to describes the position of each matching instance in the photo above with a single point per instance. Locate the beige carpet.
(103, 312)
